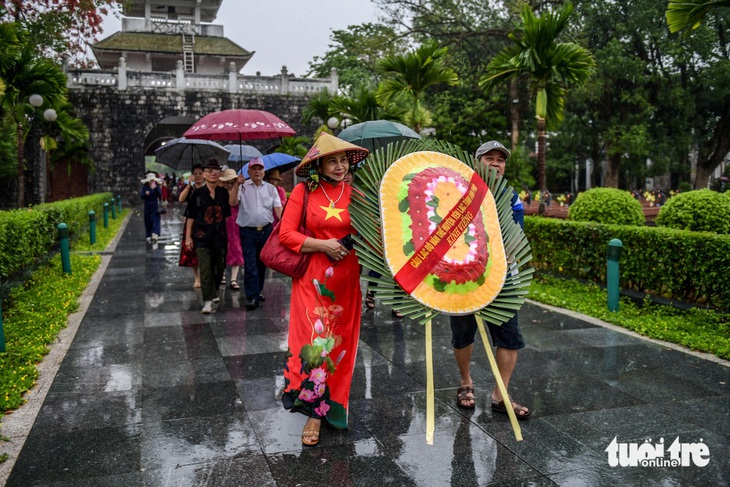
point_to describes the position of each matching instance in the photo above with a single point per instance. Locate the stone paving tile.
(153, 393)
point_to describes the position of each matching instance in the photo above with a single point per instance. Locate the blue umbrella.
(242, 153)
(275, 160)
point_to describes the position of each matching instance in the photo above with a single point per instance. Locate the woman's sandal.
(370, 300)
(234, 285)
(310, 433)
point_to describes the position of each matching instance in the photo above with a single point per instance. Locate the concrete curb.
(16, 426)
(620, 329)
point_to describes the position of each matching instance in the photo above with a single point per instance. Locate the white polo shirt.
(256, 204)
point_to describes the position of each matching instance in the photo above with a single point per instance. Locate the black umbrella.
(182, 153)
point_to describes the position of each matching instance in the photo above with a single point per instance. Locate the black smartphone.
(347, 242)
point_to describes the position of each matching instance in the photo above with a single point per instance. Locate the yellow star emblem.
(332, 212)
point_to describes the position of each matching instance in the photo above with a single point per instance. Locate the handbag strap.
(303, 220)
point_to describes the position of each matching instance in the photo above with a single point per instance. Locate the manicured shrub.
(679, 264)
(700, 211)
(27, 234)
(608, 206)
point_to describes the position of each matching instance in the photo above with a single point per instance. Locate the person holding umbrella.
(258, 203)
(151, 195)
(205, 230)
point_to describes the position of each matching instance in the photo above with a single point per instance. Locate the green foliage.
(686, 15)
(700, 211)
(698, 329)
(606, 205)
(678, 264)
(33, 316)
(29, 233)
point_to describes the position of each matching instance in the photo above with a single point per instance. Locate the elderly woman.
(326, 301)
(234, 257)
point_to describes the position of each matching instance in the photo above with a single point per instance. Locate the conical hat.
(328, 144)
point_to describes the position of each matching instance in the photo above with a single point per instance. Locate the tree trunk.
(541, 163)
(713, 152)
(21, 168)
(702, 177)
(612, 171)
(514, 112)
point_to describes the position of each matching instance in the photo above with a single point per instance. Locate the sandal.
(310, 433)
(462, 398)
(499, 407)
(223, 281)
(370, 300)
(234, 285)
(396, 314)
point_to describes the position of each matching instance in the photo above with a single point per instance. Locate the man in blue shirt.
(506, 338)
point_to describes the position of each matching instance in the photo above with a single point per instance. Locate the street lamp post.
(49, 115)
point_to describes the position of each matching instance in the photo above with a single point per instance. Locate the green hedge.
(701, 211)
(607, 205)
(677, 264)
(27, 234)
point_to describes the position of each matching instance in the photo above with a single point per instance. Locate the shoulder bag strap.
(303, 221)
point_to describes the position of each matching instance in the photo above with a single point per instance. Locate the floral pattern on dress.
(316, 360)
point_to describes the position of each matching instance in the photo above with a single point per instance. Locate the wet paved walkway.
(152, 392)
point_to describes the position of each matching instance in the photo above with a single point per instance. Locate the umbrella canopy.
(242, 153)
(182, 153)
(239, 125)
(275, 160)
(158, 167)
(377, 133)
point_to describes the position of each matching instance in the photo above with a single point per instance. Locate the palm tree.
(364, 106)
(686, 15)
(410, 75)
(551, 66)
(318, 107)
(23, 76)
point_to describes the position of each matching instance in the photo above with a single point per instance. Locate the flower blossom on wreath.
(319, 389)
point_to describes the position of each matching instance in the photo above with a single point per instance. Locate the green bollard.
(612, 273)
(92, 227)
(119, 203)
(106, 215)
(113, 206)
(2, 330)
(65, 252)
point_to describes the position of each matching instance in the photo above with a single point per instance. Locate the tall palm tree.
(25, 75)
(410, 75)
(9, 44)
(318, 107)
(551, 66)
(686, 15)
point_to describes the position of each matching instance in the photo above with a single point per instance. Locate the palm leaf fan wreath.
(365, 212)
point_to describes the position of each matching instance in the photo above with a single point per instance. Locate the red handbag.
(282, 259)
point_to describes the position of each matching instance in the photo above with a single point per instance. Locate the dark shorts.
(464, 329)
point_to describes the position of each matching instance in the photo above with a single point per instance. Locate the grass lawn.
(697, 329)
(34, 313)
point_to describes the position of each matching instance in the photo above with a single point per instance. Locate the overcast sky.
(282, 32)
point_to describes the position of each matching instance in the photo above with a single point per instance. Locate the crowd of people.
(229, 218)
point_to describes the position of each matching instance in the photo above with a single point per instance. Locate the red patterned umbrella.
(239, 125)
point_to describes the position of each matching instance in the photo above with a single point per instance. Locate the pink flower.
(319, 389)
(318, 326)
(329, 272)
(339, 357)
(323, 354)
(318, 375)
(307, 396)
(335, 311)
(322, 409)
